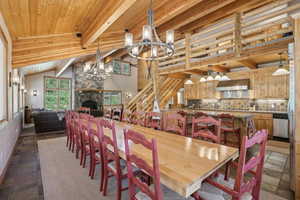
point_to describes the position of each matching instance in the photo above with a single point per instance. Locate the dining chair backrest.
(200, 114)
(84, 110)
(207, 127)
(154, 120)
(109, 144)
(107, 112)
(139, 118)
(175, 122)
(127, 116)
(117, 114)
(254, 165)
(134, 160)
(95, 139)
(85, 116)
(84, 129)
(227, 120)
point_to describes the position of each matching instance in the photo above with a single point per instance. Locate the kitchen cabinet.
(267, 86)
(264, 121)
(190, 91)
(206, 90)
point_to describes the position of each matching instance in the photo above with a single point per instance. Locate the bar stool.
(228, 127)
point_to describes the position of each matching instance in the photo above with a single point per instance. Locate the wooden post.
(155, 80)
(237, 34)
(187, 49)
(297, 108)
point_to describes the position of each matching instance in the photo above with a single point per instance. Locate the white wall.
(36, 82)
(123, 83)
(10, 129)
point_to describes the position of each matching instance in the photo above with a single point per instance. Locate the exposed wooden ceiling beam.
(238, 5)
(179, 76)
(40, 72)
(35, 56)
(113, 11)
(197, 11)
(165, 12)
(195, 72)
(247, 63)
(218, 68)
(64, 67)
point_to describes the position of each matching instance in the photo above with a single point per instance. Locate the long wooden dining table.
(184, 162)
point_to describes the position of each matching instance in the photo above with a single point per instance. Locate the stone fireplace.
(88, 92)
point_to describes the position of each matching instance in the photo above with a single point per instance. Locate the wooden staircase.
(143, 101)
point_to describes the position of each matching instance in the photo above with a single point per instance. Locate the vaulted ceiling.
(45, 30)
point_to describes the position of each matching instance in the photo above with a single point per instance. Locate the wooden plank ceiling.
(46, 30)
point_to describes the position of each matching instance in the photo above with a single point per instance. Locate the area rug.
(63, 177)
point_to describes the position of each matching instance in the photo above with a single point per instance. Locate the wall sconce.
(34, 93)
(15, 80)
(128, 95)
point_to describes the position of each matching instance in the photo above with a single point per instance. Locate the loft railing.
(235, 35)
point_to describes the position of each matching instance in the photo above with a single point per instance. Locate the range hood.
(242, 84)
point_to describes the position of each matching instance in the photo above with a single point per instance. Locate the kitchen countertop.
(245, 111)
(215, 112)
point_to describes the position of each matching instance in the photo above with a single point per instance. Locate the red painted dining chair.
(154, 120)
(127, 116)
(113, 166)
(95, 146)
(245, 188)
(85, 139)
(151, 169)
(85, 116)
(68, 119)
(77, 137)
(139, 118)
(207, 128)
(228, 127)
(117, 114)
(107, 113)
(74, 125)
(175, 122)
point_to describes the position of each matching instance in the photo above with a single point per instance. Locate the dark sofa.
(47, 121)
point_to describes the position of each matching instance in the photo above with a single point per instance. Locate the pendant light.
(189, 82)
(202, 80)
(281, 70)
(150, 40)
(218, 77)
(225, 78)
(209, 78)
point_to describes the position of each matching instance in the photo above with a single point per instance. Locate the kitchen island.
(244, 121)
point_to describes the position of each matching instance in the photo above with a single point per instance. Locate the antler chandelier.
(150, 41)
(97, 71)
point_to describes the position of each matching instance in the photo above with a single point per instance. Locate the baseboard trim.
(2, 175)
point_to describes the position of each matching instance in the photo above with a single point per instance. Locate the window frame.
(57, 89)
(121, 62)
(111, 91)
(6, 74)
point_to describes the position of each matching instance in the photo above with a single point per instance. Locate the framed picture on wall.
(126, 68)
(116, 67)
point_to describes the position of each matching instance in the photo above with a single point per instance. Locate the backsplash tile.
(241, 104)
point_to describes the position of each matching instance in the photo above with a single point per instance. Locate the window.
(112, 98)
(57, 93)
(3, 77)
(122, 68)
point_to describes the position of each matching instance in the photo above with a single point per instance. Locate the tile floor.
(23, 179)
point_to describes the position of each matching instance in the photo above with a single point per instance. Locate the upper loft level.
(231, 42)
